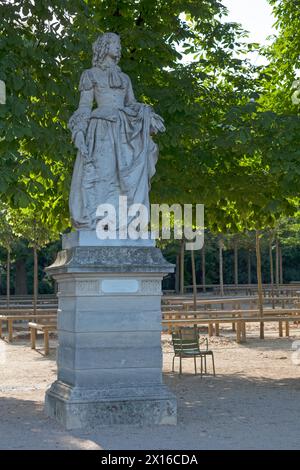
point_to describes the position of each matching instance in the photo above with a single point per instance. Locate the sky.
(256, 17)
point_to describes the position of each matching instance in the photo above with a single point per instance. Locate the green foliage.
(7, 237)
(288, 231)
(46, 45)
(28, 224)
(256, 169)
(238, 156)
(283, 56)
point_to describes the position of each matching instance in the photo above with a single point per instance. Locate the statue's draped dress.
(121, 154)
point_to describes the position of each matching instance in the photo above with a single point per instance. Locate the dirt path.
(253, 403)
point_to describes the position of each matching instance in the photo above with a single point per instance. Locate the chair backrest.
(189, 333)
(186, 340)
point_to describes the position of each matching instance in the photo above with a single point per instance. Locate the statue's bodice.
(104, 95)
(109, 97)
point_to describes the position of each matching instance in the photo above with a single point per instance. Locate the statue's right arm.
(79, 121)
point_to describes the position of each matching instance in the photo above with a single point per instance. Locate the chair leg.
(213, 363)
(180, 366)
(173, 363)
(205, 365)
(195, 365)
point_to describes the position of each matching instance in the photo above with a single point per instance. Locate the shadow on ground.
(232, 411)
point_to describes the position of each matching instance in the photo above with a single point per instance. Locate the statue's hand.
(157, 124)
(81, 145)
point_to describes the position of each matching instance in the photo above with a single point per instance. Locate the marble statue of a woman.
(116, 154)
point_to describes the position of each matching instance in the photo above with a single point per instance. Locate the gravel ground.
(253, 403)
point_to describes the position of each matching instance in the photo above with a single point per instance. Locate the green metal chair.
(186, 345)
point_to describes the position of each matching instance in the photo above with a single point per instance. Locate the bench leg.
(280, 329)
(243, 327)
(10, 330)
(210, 329)
(287, 328)
(46, 342)
(33, 337)
(262, 330)
(217, 329)
(238, 332)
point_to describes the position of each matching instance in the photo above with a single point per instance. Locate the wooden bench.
(44, 328)
(12, 308)
(234, 303)
(11, 318)
(200, 314)
(27, 310)
(171, 307)
(240, 322)
(169, 300)
(221, 301)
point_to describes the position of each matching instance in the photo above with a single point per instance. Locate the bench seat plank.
(45, 328)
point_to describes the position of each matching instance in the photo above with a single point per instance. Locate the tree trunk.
(21, 278)
(35, 279)
(271, 272)
(236, 264)
(249, 267)
(280, 266)
(8, 279)
(221, 268)
(182, 267)
(277, 264)
(194, 279)
(177, 274)
(259, 282)
(203, 268)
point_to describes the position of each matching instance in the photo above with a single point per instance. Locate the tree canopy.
(232, 139)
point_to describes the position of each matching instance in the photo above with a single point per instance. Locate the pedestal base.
(77, 408)
(109, 355)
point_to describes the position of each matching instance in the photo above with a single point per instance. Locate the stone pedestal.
(109, 334)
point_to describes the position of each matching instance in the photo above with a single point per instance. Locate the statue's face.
(114, 50)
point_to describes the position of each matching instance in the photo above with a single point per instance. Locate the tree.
(28, 223)
(7, 240)
(46, 45)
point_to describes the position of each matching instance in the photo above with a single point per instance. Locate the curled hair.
(101, 46)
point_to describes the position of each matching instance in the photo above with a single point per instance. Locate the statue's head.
(107, 44)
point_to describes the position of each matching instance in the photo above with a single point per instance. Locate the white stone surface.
(89, 238)
(109, 335)
(110, 286)
(118, 286)
(116, 154)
